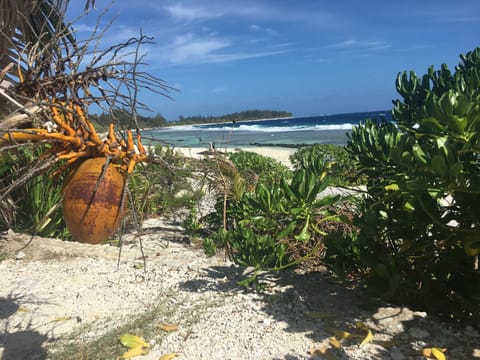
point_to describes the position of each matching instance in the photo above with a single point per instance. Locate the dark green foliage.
(264, 227)
(125, 120)
(37, 202)
(342, 171)
(420, 235)
(228, 118)
(257, 168)
(162, 186)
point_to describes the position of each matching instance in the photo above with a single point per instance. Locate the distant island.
(237, 116)
(104, 119)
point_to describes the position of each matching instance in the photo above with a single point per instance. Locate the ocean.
(284, 132)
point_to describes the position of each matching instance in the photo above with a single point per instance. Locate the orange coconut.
(92, 201)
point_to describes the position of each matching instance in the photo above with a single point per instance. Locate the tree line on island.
(124, 118)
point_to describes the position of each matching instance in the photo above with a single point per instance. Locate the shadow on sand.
(22, 344)
(314, 304)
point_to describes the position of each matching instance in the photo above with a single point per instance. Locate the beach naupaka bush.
(342, 171)
(420, 229)
(278, 224)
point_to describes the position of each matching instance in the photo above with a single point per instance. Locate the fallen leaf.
(434, 353)
(133, 341)
(367, 338)
(339, 334)
(168, 356)
(22, 309)
(168, 327)
(427, 352)
(135, 351)
(439, 353)
(335, 343)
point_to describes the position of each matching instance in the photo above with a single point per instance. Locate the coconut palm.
(28, 21)
(27, 25)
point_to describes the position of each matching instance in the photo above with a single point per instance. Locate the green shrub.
(256, 168)
(420, 230)
(37, 208)
(342, 171)
(263, 228)
(162, 186)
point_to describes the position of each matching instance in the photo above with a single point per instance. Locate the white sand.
(53, 292)
(278, 153)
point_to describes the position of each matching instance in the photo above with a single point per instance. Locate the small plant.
(342, 171)
(264, 227)
(36, 207)
(209, 246)
(257, 168)
(191, 224)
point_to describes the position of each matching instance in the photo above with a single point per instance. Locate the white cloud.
(262, 30)
(186, 48)
(242, 56)
(360, 45)
(192, 49)
(181, 12)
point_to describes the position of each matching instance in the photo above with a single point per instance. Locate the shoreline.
(170, 126)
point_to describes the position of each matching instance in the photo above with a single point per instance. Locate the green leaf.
(304, 235)
(439, 166)
(432, 125)
(392, 187)
(287, 231)
(408, 206)
(419, 153)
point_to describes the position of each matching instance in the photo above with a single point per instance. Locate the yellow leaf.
(367, 338)
(427, 352)
(434, 352)
(168, 327)
(22, 309)
(132, 341)
(168, 356)
(317, 315)
(339, 334)
(438, 353)
(335, 343)
(135, 351)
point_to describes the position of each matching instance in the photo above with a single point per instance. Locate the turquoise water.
(293, 132)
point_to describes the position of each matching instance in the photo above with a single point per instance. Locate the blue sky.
(309, 57)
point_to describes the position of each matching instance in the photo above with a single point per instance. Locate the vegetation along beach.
(216, 213)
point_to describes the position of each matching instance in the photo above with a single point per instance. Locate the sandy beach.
(66, 300)
(280, 154)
